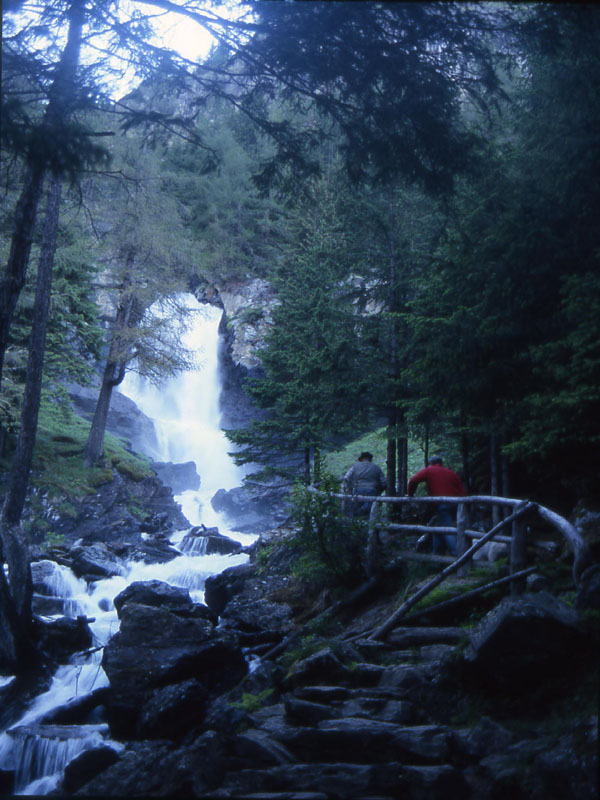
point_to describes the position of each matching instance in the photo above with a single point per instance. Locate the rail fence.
(511, 531)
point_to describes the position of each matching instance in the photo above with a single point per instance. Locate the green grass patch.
(338, 462)
(58, 468)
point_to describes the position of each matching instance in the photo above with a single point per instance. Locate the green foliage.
(250, 703)
(58, 469)
(54, 540)
(332, 544)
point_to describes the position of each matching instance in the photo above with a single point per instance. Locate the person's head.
(435, 460)
(366, 456)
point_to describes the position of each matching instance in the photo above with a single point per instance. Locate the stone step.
(405, 637)
(344, 780)
(365, 740)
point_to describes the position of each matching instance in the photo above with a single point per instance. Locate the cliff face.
(247, 316)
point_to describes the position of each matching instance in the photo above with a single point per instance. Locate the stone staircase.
(357, 731)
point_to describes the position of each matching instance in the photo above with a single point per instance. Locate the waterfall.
(186, 416)
(185, 411)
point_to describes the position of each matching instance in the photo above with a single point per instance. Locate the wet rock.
(436, 782)
(7, 782)
(522, 639)
(77, 710)
(42, 575)
(304, 712)
(258, 748)
(124, 417)
(179, 477)
(252, 510)
(47, 606)
(323, 667)
(86, 766)
(153, 593)
(220, 589)
(364, 741)
(60, 638)
(152, 551)
(206, 541)
(96, 560)
(154, 648)
(486, 738)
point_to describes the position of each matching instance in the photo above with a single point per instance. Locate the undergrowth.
(58, 470)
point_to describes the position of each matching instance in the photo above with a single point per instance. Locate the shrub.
(333, 544)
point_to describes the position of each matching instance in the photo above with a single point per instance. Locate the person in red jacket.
(440, 482)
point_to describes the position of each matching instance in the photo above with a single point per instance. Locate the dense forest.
(417, 182)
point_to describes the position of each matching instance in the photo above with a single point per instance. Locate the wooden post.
(517, 556)
(462, 520)
(374, 566)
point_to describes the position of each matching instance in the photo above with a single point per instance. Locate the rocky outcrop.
(112, 514)
(179, 644)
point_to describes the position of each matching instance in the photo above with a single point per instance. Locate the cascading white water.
(185, 411)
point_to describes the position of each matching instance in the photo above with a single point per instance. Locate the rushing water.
(185, 411)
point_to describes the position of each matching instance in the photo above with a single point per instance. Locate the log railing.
(511, 531)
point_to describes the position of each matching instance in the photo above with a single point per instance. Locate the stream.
(185, 412)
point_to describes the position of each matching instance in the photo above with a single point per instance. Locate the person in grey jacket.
(365, 478)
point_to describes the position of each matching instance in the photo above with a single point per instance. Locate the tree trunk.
(465, 453)
(20, 249)
(390, 477)
(494, 476)
(307, 465)
(27, 205)
(15, 499)
(114, 372)
(16, 593)
(402, 465)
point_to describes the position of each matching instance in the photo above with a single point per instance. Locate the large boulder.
(96, 561)
(172, 711)
(179, 477)
(124, 417)
(220, 589)
(155, 648)
(153, 593)
(60, 638)
(523, 639)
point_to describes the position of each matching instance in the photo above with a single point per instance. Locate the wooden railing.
(511, 531)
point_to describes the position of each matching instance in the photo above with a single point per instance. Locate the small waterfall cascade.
(184, 409)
